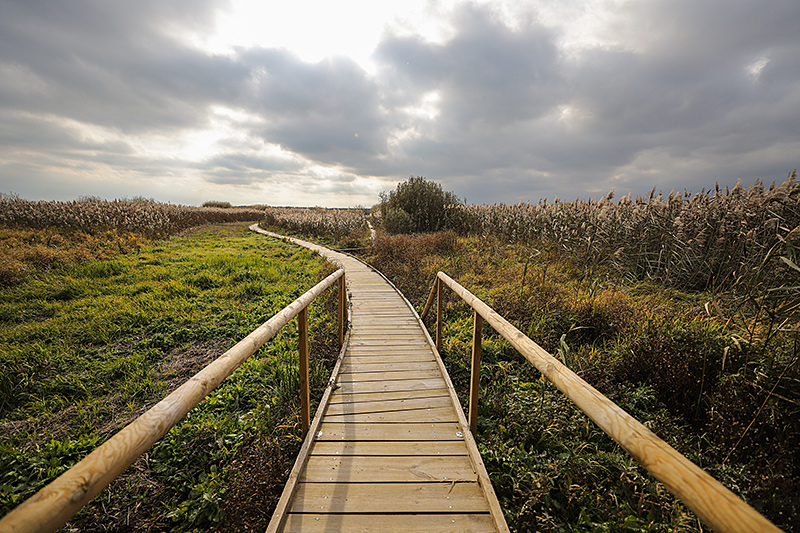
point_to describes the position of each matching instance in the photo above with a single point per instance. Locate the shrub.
(418, 205)
(216, 203)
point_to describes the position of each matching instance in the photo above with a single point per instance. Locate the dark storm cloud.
(688, 93)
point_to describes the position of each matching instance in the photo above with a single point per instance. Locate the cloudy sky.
(327, 103)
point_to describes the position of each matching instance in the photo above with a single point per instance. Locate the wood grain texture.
(709, 499)
(409, 498)
(375, 469)
(374, 523)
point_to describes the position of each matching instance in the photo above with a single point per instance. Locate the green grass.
(86, 347)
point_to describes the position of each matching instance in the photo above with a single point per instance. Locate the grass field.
(87, 345)
(97, 325)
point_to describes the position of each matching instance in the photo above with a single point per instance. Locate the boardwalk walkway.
(390, 448)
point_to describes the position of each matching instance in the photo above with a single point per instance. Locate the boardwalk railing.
(51, 507)
(709, 499)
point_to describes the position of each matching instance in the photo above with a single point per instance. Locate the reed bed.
(147, 217)
(318, 221)
(703, 241)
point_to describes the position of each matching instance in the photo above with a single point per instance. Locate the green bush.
(217, 203)
(418, 205)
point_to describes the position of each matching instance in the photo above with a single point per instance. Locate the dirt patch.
(257, 477)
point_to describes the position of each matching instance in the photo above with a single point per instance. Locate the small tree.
(418, 205)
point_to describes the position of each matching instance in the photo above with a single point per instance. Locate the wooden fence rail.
(51, 507)
(709, 499)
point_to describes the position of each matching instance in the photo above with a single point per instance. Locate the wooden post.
(305, 395)
(429, 302)
(475, 378)
(438, 315)
(342, 309)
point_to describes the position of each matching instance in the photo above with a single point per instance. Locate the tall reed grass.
(318, 221)
(93, 215)
(703, 241)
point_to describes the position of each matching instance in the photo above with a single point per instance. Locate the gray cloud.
(689, 92)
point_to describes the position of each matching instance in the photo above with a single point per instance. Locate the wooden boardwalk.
(389, 448)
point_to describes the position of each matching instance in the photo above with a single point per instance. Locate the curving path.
(389, 448)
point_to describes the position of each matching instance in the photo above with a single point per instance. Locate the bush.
(418, 206)
(216, 203)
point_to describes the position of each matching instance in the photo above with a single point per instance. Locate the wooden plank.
(383, 406)
(383, 349)
(388, 431)
(339, 396)
(419, 414)
(411, 498)
(376, 469)
(363, 346)
(388, 448)
(371, 359)
(367, 366)
(372, 523)
(389, 376)
(388, 386)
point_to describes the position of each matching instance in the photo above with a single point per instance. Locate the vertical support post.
(438, 315)
(475, 378)
(305, 394)
(342, 309)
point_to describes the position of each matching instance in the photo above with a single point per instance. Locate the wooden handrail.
(708, 498)
(51, 507)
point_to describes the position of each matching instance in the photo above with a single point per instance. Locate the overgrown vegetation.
(729, 403)
(93, 215)
(340, 228)
(87, 345)
(683, 310)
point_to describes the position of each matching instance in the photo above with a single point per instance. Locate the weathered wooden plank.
(382, 406)
(371, 359)
(372, 523)
(367, 366)
(387, 386)
(376, 469)
(339, 396)
(389, 376)
(388, 449)
(387, 350)
(388, 431)
(410, 498)
(419, 414)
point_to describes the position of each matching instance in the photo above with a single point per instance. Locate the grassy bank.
(89, 343)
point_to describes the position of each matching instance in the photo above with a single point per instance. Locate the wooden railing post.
(429, 302)
(475, 377)
(305, 394)
(342, 309)
(438, 315)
